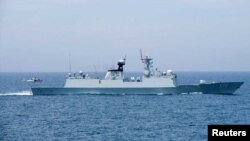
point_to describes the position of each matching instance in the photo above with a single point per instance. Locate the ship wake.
(21, 93)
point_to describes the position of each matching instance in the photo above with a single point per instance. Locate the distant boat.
(33, 80)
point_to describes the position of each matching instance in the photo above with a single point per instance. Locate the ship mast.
(69, 63)
(148, 65)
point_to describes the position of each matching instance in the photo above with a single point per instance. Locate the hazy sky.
(182, 35)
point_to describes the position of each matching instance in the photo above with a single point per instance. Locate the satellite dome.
(121, 62)
(169, 72)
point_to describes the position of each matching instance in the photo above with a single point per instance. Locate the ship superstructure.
(114, 78)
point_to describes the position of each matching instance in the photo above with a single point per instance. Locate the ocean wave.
(17, 93)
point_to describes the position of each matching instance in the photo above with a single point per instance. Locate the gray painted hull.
(213, 88)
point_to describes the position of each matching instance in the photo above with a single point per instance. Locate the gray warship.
(152, 81)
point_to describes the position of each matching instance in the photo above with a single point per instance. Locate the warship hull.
(212, 88)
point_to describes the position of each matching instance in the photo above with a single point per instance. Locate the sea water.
(117, 117)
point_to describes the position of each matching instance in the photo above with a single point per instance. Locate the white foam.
(164, 94)
(160, 93)
(196, 93)
(17, 93)
(192, 93)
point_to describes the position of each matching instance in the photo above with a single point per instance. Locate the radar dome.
(169, 72)
(121, 63)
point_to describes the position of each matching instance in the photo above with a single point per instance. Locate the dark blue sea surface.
(117, 117)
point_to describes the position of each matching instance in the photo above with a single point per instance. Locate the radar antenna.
(141, 54)
(69, 63)
(125, 58)
(148, 64)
